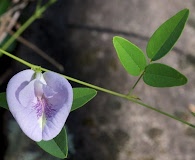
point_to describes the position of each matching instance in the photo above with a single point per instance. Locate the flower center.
(44, 108)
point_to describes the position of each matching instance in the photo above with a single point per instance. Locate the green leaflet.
(131, 57)
(3, 101)
(160, 75)
(58, 146)
(81, 96)
(164, 38)
(4, 4)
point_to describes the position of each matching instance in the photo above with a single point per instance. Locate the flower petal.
(48, 91)
(38, 88)
(15, 85)
(20, 95)
(27, 95)
(60, 104)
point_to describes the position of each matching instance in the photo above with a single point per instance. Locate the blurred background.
(74, 37)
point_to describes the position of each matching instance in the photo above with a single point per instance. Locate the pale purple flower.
(40, 103)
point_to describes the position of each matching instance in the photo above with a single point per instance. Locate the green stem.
(38, 4)
(92, 86)
(35, 16)
(17, 58)
(163, 113)
(136, 83)
(100, 89)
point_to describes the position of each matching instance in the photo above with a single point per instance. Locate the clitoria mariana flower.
(40, 103)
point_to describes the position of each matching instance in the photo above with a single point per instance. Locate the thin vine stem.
(127, 97)
(93, 86)
(130, 92)
(139, 79)
(17, 58)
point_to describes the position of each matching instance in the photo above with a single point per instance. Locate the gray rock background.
(79, 35)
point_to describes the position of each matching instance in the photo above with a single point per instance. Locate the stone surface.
(79, 35)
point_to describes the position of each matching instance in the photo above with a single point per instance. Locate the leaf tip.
(115, 38)
(186, 9)
(185, 80)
